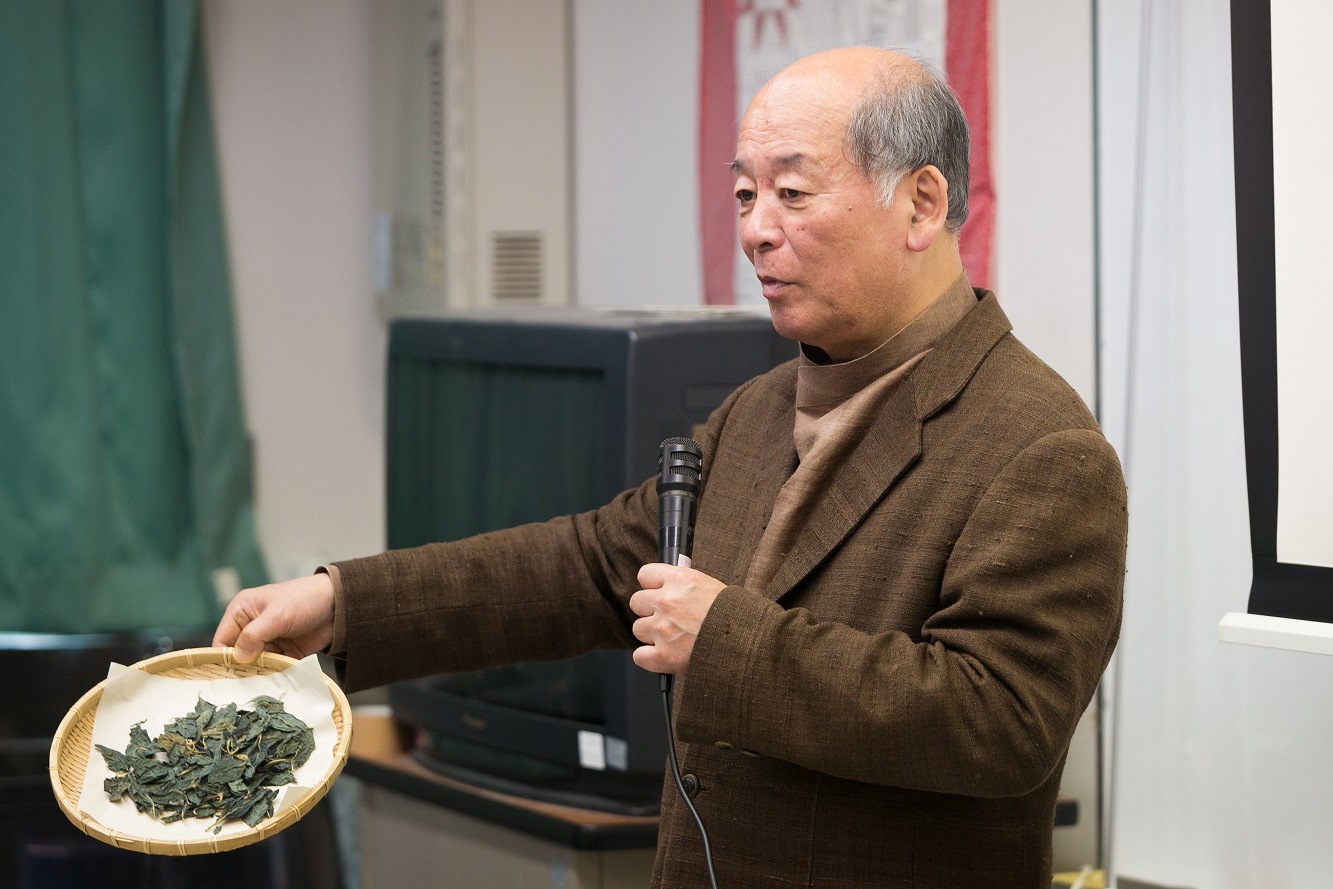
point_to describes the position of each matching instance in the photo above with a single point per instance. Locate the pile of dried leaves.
(217, 762)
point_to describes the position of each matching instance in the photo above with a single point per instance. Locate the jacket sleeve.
(985, 701)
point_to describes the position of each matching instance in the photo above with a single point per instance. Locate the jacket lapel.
(770, 452)
(890, 446)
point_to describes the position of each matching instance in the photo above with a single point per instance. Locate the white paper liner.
(133, 696)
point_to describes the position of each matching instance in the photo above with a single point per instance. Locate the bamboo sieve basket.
(73, 745)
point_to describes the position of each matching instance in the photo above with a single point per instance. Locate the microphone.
(679, 480)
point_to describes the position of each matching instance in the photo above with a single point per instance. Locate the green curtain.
(124, 464)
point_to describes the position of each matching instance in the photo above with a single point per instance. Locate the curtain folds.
(124, 466)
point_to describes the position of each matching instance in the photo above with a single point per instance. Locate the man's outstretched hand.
(294, 618)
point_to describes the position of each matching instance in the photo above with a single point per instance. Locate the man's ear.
(929, 192)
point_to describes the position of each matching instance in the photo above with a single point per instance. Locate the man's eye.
(789, 194)
(744, 195)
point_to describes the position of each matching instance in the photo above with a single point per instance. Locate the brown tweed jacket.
(894, 710)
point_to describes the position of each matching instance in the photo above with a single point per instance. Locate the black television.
(497, 397)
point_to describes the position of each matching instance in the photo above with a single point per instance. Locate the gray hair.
(906, 121)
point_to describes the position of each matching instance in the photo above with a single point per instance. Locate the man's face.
(828, 257)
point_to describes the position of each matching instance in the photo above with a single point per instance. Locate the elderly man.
(910, 543)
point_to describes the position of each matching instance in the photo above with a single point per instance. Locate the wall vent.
(516, 266)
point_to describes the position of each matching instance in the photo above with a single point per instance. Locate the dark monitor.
(480, 406)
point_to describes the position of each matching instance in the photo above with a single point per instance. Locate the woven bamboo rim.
(73, 744)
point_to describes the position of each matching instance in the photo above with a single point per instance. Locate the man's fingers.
(647, 657)
(251, 641)
(643, 603)
(233, 622)
(244, 627)
(643, 630)
(653, 575)
(651, 655)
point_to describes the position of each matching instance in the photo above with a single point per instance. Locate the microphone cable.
(665, 683)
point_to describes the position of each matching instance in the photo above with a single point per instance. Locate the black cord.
(665, 684)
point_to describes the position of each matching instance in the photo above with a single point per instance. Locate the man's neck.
(937, 269)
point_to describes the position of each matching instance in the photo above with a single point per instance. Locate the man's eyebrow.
(794, 161)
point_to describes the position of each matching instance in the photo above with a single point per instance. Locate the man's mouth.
(771, 286)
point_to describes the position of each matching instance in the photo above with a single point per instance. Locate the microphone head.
(680, 467)
(679, 479)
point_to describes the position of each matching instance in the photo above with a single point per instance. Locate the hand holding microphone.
(675, 598)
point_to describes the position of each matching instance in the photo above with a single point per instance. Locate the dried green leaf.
(115, 760)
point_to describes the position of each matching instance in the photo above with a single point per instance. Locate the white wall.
(1043, 161)
(636, 207)
(290, 85)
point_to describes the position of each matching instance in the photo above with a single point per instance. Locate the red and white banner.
(745, 42)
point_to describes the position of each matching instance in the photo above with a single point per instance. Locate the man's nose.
(761, 228)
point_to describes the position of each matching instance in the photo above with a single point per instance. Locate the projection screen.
(1283, 132)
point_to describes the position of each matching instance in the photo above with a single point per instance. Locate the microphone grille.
(680, 458)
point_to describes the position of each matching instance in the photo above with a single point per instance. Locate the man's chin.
(784, 323)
